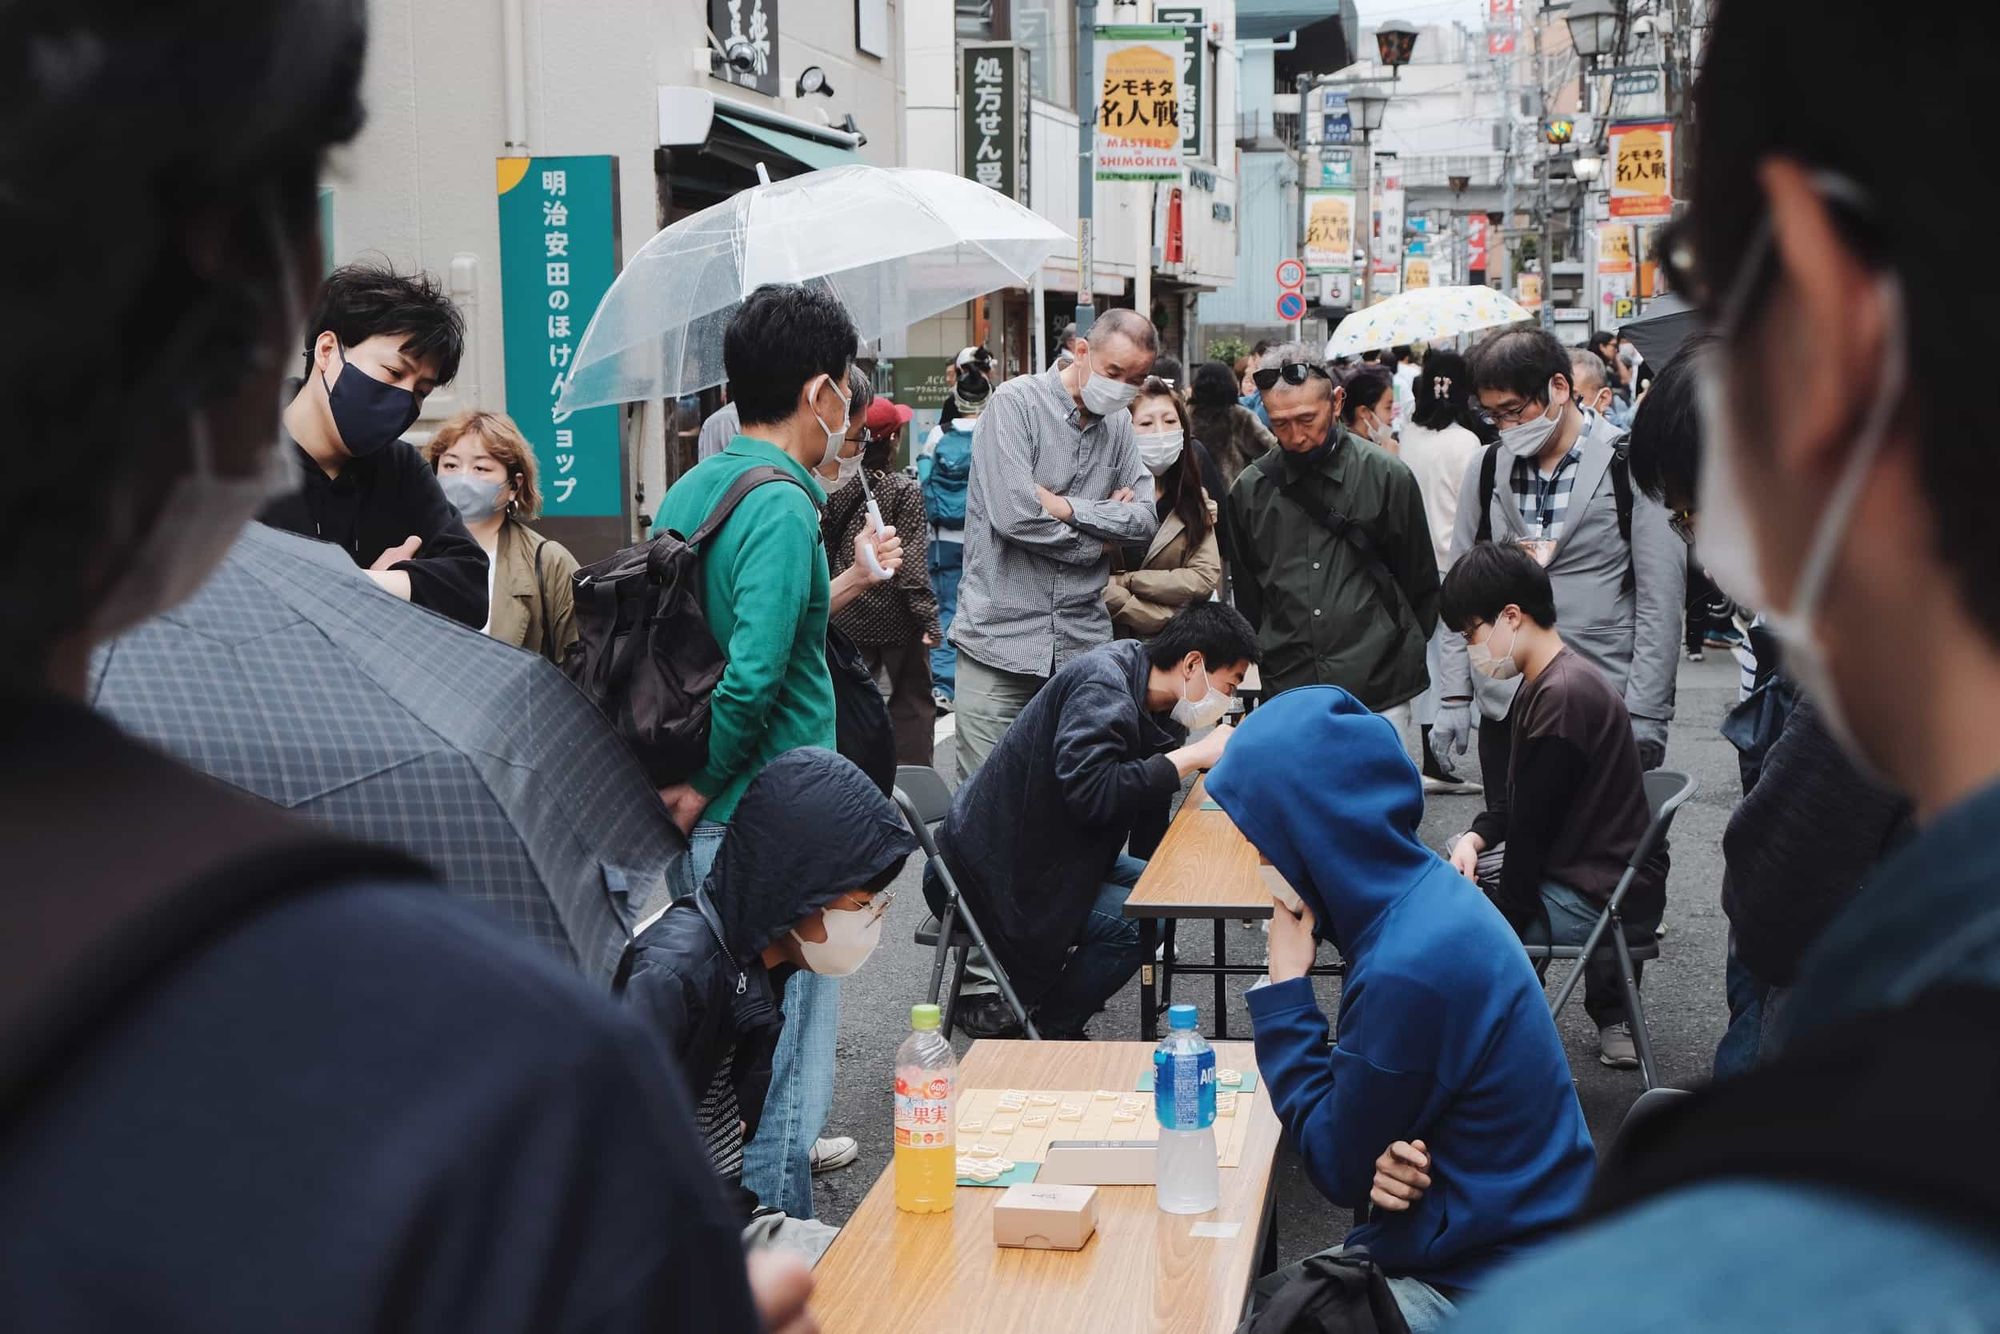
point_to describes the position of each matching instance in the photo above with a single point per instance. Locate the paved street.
(1683, 991)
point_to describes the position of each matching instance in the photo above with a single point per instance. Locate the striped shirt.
(1544, 501)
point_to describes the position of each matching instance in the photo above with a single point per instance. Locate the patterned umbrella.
(1421, 316)
(292, 676)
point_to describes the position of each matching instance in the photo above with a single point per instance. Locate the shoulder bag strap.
(1488, 466)
(542, 596)
(746, 482)
(1347, 530)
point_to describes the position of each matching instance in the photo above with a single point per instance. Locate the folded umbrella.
(894, 244)
(1421, 316)
(292, 676)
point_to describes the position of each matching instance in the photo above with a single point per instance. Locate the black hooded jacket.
(810, 828)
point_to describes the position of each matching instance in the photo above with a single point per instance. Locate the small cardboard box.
(1043, 1217)
(1099, 1162)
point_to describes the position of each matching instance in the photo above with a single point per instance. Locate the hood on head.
(810, 828)
(1326, 792)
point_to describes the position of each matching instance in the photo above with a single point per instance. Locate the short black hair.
(1213, 629)
(1067, 336)
(782, 336)
(1665, 445)
(1522, 361)
(1260, 347)
(1365, 388)
(1215, 386)
(360, 301)
(1401, 353)
(1599, 337)
(1126, 323)
(1910, 168)
(1441, 390)
(1486, 580)
(1170, 368)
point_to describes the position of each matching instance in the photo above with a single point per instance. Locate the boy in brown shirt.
(1574, 807)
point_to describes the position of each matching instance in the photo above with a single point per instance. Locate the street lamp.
(1593, 27)
(1394, 42)
(1365, 104)
(1587, 167)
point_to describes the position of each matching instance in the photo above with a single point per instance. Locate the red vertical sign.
(1475, 241)
(1499, 27)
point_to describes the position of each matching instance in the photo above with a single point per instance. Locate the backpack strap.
(122, 866)
(1356, 537)
(1898, 1104)
(542, 596)
(1620, 469)
(1489, 465)
(746, 481)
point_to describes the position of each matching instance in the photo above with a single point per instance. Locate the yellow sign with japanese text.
(1416, 272)
(1138, 104)
(1329, 231)
(1614, 247)
(1642, 166)
(1528, 290)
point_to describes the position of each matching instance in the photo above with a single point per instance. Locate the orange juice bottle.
(926, 1148)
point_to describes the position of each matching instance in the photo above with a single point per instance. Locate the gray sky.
(1469, 12)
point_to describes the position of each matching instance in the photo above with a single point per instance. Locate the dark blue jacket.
(1444, 1032)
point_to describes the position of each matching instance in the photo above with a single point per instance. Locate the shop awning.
(811, 152)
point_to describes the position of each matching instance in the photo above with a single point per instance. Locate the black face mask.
(367, 413)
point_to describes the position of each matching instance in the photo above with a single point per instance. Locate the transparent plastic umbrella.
(894, 244)
(1422, 315)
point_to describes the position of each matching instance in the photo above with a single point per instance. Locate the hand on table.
(1465, 855)
(1203, 754)
(781, 1284)
(1292, 945)
(1401, 1176)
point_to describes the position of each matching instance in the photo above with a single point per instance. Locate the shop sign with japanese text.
(990, 106)
(1642, 165)
(1194, 74)
(1329, 231)
(1138, 134)
(558, 256)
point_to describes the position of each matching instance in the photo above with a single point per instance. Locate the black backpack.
(1621, 488)
(644, 653)
(646, 658)
(1331, 1294)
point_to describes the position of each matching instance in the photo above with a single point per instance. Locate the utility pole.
(1509, 118)
(1086, 134)
(1546, 246)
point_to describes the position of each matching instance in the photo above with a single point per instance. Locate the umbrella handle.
(868, 558)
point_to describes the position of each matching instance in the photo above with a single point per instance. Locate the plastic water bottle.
(926, 1148)
(1184, 1103)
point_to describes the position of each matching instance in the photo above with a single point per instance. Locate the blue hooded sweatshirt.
(1444, 1033)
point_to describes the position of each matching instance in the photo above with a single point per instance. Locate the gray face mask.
(475, 498)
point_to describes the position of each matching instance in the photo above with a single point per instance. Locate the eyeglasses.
(1291, 372)
(1682, 522)
(1513, 416)
(875, 907)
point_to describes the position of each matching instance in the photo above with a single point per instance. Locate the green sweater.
(764, 591)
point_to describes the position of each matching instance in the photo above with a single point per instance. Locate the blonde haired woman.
(487, 470)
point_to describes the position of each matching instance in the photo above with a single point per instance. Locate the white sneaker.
(833, 1152)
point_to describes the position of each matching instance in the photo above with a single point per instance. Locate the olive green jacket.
(1320, 611)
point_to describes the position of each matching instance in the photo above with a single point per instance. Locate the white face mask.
(837, 435)
(851, 936)
(1159, 450)
(1524, 440)
(1728, 548)
(1378, 432)
(1204, 710)
(1493, 666)
(1103, 395)
(849, 469)
(203, 512)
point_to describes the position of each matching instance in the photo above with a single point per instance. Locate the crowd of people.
(215, 1012)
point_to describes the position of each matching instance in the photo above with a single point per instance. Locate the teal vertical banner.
(558, 256)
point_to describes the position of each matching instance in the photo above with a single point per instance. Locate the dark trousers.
(902, 673)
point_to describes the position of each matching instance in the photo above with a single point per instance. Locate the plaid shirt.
(1544, 501)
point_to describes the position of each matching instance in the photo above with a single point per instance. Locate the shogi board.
(1010, 1133)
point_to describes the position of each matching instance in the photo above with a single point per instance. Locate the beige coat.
(522, 606)
(1177, 572)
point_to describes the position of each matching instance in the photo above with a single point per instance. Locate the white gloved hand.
(1452, 732)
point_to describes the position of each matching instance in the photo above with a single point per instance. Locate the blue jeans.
(1572, 917)
(1105, 955)
(1737, 1053)
(777, 1164)
(1424, 1308)
(947, 565)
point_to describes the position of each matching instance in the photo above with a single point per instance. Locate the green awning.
(811, 152)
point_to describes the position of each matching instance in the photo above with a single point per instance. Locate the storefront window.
(975, 18)
(1046, 29)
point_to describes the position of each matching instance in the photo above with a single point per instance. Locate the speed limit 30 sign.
(1291, 274)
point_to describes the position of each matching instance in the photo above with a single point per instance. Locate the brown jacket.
(1177, 572)
(534, 614)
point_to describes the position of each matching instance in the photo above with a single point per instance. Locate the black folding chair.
(1666, 792)
(925, 800)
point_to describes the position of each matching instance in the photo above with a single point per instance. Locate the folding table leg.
(1221, 982)
(1149, 1026)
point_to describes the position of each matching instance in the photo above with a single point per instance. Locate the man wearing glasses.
(1330, 554)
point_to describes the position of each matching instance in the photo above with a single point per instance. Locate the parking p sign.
(1291, 306)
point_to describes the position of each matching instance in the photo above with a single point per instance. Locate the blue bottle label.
(1184, 1089)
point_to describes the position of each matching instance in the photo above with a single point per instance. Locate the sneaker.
(833, 1152)
(986, 1016)
(1440, 777)
(942, 700)
(1695, 655)
(1615, 1047)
